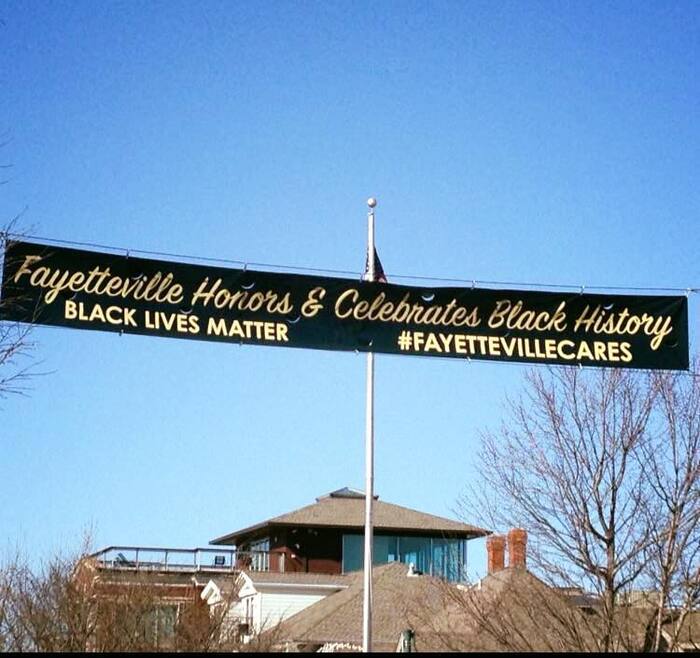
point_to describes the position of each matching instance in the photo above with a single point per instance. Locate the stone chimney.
(496, 553)
(517, 547)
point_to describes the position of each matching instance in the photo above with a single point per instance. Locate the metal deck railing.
(182, 560)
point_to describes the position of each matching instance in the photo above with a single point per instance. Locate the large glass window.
(449, 559)
(445, 558)
(260, 555)
(416, 551)
(385, 549)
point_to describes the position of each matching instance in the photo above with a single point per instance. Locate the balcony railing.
(184, 560)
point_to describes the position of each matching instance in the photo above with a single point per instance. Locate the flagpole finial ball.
(372, 202)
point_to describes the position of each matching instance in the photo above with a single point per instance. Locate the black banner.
(51, 285)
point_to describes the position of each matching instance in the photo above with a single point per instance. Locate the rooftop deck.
(182, 560)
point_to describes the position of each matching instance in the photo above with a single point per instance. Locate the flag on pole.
(379, 275)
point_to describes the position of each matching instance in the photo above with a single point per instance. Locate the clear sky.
(547, 142)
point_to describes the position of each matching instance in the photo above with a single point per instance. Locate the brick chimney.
(517, 547)
(496, 553)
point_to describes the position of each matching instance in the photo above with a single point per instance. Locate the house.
(509, 609)
(291, 583)
(292, 561)
(327, 537)
(335, 623)
(258, 600)
(131, 609)
(272, 570)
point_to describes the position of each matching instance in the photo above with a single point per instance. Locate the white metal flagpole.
(369, 454)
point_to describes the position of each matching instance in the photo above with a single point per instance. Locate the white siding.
(237, 612)
(278, 606)
(273, 605)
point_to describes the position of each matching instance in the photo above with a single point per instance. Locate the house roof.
(345, 508)
(514, 610)
(225, 585)
(338, 618)
(680, 632)
(216, 589)
(689, 635)
(511, 609)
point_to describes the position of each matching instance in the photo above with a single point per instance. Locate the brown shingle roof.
(338, 618)
(348, 512)
(512, 610)
(689, 636)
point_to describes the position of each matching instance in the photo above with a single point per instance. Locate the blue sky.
(545, 142)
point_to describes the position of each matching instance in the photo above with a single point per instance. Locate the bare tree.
(601, 467)
(64, 605)
(16, 347)
(15, 341)
(671, 461)
(43, 609)
(511, 610)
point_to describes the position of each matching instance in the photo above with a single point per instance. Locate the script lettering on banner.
(50, 285)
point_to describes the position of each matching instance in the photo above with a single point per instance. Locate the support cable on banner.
(687, 290)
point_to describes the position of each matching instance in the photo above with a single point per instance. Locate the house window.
(159, 625)
(444, 558)
(248, 620)
(260, 555)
